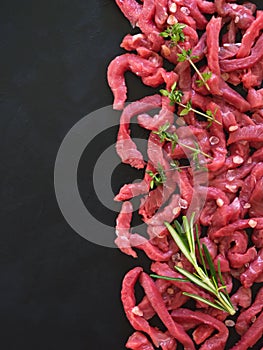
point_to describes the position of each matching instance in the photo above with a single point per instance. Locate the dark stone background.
(57, 291)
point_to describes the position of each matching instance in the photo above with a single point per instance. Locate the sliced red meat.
(129, 303)
(148, 26)
(257, 238)
(168, 214)
(256, 200)
(195, 13)
(254, 270)
(138, 65)
(200, 48)
(230, 36)
(233, 97)
(123, 223)
(218, 341)
(131, 10)
(206, 6)
(161, 13)
(250, 35)
(252, 335)
(217, 139)
(212, 31)
(247, 133)
(175, 329)
(255, 98)
(135, 42)
(132, 190)
(151, 203)
(246, 62)
(153, 252)
(154, 123)
(236, 226)
(138, 341)
(182, 16)
(227, 51)
(163, 269)
(254, 75)
(246, 317)
(125, 147)
(242, 297)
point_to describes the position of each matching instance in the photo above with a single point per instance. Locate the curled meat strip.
(217, 341)
(246, 318)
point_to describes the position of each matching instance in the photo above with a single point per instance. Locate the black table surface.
(58, 290)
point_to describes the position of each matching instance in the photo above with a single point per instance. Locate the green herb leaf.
(169, 278)
(205, 77)
(210, 264)
(164, 92)
(175, 96)
(203, 300)
(194, 279)
(183, 56)
(187, 109)
(158, 178)
(174, 33)
(181, 244)
(200, 251)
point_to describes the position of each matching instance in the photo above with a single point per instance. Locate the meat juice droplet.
(252, 223)
(233, 128)
(185, 10)
(219, 202)
(170, 291)
(229, 323)
(165, 50)
(171, 20)
(247, 206)
(253, 319)
(213, 140)
(225, 76)
(238, 160)
(137, 311)
(230, 175)
(176, 257)
(183, 204)
(173, 8)
(231, 188)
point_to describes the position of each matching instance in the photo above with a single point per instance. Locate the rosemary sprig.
(204, 277)
(175, 96)
(175, 34)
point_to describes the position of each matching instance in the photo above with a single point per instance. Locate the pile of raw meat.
(227, 38)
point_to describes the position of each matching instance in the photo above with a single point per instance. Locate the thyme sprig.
(175, 97)
(158, 178)
(165, 135)
(175, 34)
(205, 277)
(206, 76)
